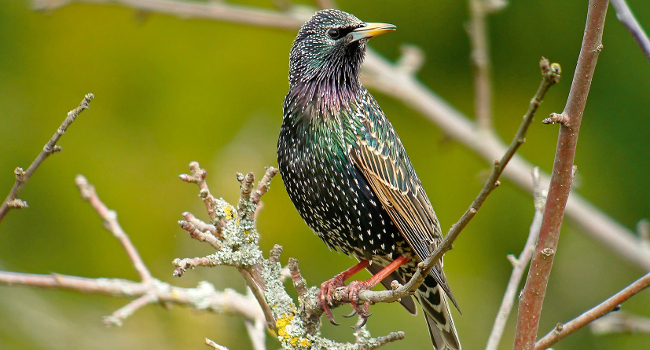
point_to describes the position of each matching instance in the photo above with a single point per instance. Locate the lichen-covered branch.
(203, 298)
(532, 297)
(296, 325)
(22, 176)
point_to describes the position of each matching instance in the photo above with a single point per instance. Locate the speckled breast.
(335, 200)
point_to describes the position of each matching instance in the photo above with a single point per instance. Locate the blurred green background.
(170, 91)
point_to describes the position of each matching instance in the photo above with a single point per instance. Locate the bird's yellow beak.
(371, 29)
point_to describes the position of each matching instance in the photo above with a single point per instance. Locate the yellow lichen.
(228, 210)
(281, 324)
(297, 342)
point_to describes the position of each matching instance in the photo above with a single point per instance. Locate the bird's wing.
(403, 197)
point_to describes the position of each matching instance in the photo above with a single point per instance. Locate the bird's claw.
(325, 296)
(353, 293)
(361, 322)
(326, 301)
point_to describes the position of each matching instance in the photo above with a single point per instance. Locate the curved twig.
(625, 15)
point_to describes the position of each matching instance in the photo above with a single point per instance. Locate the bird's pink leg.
(328, 287)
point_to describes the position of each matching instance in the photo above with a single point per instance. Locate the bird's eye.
(334, 33)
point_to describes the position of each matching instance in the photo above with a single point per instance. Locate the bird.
(348, 175)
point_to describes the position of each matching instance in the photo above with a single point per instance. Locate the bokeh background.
(170, 91)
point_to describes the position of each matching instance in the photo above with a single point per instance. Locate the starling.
(348, 175)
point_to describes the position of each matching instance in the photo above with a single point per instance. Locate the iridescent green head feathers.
(330, 48)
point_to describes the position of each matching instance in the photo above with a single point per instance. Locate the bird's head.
(330, 48)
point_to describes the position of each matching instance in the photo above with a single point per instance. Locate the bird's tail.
(437, 313)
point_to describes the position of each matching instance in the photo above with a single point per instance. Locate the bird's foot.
(327, 288)
(325, 298)
(363, 309)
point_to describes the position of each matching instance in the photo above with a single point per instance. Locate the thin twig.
(532, 298)
(50, 148)
(198, 177)
(519, 266)
(625, 15)
(257, 333)
(118, 317)
(109, 217)
(190, 263)
(562, 330)
(264, 185)
(214, 345)
(381, 341)
(480, 56)
(201, 236)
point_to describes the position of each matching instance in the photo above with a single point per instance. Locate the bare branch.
(411, 60)
(51, 147)
(198, 177)
(216, 10)
(203, 297)
(264, 185)
(519, 267)
(480, 56)
(620, 322)
(257, 333)
(111, 224)
(562, 330)
(377, 342)
(530, 303)
(201, 236)
(127, 310)
(214, 345)
(625, 15)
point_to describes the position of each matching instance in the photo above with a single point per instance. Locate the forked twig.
(50, 148)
